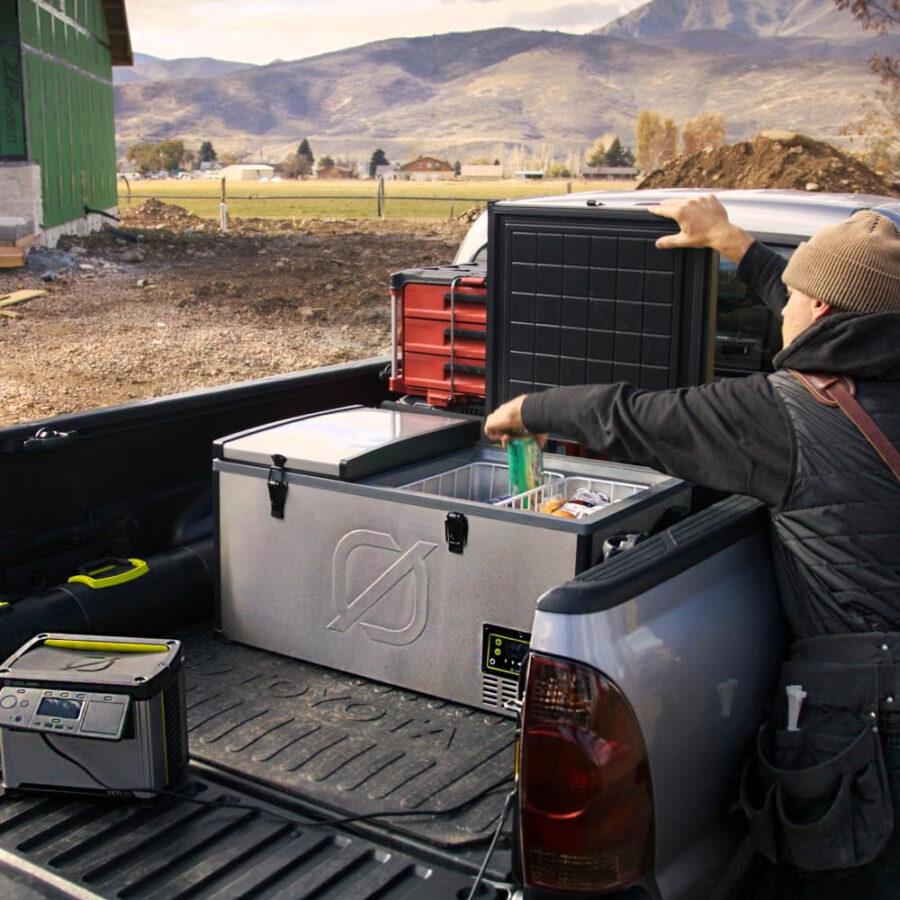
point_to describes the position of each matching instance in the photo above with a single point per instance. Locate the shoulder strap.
(839, 390)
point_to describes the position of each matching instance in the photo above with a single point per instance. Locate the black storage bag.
(819, 797)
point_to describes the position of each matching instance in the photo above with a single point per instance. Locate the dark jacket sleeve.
(732, 435)
(761, 268)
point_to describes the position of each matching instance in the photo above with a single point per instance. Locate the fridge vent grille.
(496, 692)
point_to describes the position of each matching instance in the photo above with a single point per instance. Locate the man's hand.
(704, 223)
(505, 422)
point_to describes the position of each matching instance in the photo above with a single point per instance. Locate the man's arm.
(761, 268)
(732, 435)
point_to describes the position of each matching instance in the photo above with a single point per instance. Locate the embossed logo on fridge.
(381, 586)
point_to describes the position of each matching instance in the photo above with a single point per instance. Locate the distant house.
(57, 140)
(610, 173)
(333, 173)
(247, 172)
(529, 174)
(476, 171)
(427, 168)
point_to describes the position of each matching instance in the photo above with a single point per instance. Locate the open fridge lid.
(351, 443)
(579, 294)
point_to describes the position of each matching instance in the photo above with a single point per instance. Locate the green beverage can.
(526, 464)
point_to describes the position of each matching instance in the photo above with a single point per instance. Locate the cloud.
(577, 16)
(287, 29)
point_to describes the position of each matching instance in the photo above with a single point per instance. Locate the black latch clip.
(278, 486)
(456, 531)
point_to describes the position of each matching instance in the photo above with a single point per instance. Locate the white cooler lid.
(352, 443)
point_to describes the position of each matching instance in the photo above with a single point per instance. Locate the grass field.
(341, 199)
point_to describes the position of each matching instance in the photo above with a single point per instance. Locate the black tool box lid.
(579, 294)
(351, 443)
(444, 275)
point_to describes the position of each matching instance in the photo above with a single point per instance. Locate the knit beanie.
(854, 266)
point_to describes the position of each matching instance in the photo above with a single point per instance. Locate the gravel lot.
(171, 304)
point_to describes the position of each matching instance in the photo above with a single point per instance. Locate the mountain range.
(769, 64)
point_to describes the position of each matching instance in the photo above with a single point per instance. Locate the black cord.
(74, 762)
(480, 876)
(224, 804)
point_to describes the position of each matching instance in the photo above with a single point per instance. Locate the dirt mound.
(153, 213)
(773, 160)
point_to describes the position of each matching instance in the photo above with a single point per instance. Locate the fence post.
(452, 204)
(379, 193)
(223, 208)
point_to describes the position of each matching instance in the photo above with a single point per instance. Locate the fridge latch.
(278, 487)
(456, 531)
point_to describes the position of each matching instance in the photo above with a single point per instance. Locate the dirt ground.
(172, 304)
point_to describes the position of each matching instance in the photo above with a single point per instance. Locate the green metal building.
(57, 125)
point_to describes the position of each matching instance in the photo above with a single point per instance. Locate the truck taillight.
(586, 805)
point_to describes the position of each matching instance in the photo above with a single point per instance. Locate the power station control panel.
(72, 712)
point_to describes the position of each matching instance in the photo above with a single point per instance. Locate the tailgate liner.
(172, 848)
(347, 744)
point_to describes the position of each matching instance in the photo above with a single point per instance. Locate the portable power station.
(93, 714)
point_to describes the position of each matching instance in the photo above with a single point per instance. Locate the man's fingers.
(671, 241)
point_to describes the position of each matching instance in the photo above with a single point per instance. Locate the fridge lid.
(351, 443)
(579, 294)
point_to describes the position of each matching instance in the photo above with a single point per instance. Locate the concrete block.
(14, 227)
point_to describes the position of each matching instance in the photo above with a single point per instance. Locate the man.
(835, 513)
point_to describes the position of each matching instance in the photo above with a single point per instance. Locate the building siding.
(68, 98)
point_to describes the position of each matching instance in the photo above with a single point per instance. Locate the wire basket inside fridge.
(565, 488)
(484, 482)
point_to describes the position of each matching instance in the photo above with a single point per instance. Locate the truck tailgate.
(57, 846)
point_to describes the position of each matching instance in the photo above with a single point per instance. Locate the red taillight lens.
(586, 805)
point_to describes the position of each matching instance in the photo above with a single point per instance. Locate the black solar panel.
(582, 296)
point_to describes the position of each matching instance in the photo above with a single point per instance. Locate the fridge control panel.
(503, 651)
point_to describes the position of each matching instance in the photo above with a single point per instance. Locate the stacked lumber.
(16, 236)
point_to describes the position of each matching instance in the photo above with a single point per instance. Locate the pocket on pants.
(832, 815)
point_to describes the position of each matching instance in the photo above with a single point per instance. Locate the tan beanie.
(854, 266)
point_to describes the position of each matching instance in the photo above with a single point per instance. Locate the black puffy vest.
(837, 534)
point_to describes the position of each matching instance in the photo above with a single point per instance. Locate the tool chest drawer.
(439, 337)
(432, 373)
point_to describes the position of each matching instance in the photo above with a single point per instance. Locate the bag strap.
(839, 390)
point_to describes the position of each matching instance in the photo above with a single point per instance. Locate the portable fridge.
(420, 572)
(382, 542)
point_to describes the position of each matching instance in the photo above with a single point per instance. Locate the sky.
(260, 31)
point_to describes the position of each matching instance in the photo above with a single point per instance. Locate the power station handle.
(114, 571)
(107, 646)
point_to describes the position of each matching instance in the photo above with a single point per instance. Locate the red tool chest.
(439, 323)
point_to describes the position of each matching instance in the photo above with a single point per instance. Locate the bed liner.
(345, 743)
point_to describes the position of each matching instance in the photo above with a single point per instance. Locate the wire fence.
(376, 202)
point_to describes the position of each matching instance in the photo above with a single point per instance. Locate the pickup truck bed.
(306, 744)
